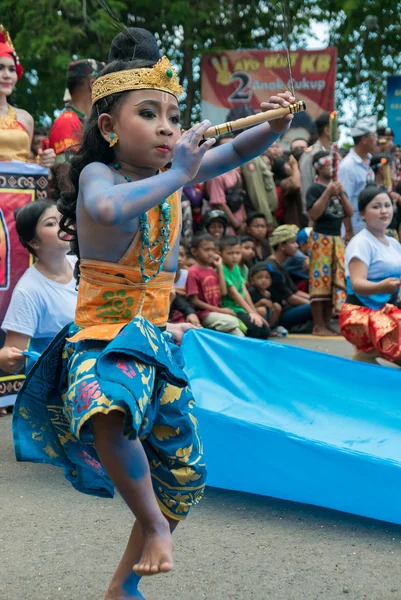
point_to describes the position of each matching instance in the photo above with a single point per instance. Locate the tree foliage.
(49, 34)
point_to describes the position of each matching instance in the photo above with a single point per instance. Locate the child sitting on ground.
(298, 265)
(237, 297)
(260, 280)
(248, 255)
(215, 222)
(182, 311)
(257, 229)
(182, 273)
(205, 286)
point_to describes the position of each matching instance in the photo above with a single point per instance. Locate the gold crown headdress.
(6, 36)
(160, 77)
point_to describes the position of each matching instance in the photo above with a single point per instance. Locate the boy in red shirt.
(205, 286)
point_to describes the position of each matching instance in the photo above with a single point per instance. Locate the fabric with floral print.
(138, 373)
(327, 270)
(369, 329)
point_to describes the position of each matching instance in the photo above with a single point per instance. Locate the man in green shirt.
(237, 297)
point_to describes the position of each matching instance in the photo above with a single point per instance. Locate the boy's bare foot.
(324, 331)
(157, 553)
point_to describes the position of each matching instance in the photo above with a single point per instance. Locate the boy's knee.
(230, 322)
(107, 427)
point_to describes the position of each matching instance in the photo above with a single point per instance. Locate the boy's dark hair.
(26, 221)
(230, 240)
(255, 215)
(256, 268)
(321, 122)
(246, 238)
(201, 237)
(41, 131)
(375, 161)
(93, 147)
(369, 193)
(298, 139)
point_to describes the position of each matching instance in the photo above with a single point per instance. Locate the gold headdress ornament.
(7, 37)
(160, 77)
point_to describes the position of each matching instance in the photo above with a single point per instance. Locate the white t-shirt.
(182, 280)
(382, 260)
(41, 307)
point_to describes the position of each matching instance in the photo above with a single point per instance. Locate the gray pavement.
(57, 544)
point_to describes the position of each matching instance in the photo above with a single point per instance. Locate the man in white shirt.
(354, 171)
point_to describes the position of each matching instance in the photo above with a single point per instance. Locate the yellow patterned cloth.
(14, 138)
(139, 373)
(111, 294)
(327, 269)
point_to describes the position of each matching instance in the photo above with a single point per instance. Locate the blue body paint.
(131, 586)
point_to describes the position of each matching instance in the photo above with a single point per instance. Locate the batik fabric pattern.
(138, 373)
(369, 329)
(327, 269)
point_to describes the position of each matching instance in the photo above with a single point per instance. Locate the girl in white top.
(44, 299)
(370, 317)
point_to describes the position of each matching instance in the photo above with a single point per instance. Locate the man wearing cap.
(67, 128)
(295, 304)
(306, 161)
(386, 139)
(354, 169)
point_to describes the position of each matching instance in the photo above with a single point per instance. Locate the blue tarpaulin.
(298, 425)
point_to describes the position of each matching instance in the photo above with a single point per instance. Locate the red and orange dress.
(373, 322)
(116, 356)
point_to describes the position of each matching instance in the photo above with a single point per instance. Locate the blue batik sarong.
(138, 373)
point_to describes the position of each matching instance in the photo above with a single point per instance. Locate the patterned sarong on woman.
(373, 322)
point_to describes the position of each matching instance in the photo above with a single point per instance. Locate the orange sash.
(110, 295)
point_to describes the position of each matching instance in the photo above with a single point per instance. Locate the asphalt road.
(57, 544)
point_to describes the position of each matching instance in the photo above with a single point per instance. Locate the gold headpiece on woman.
(159, 77)
(6, 37)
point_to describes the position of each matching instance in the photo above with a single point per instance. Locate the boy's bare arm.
(236, 297)
(248, 298)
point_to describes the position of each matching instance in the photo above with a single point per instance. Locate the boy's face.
(182, 257)
(261, 280)
(248, 251)
(258, 228)
(205, 253)
(290, 248)
(231, 255)
(216, 229)
(324, 171)
(304, 247)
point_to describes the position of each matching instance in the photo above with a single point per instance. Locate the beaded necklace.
(146, 244)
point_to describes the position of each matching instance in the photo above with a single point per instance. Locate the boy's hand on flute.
(279, 126)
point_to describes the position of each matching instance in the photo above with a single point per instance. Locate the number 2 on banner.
(240, 94)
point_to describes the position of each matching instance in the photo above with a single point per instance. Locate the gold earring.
(113, 139)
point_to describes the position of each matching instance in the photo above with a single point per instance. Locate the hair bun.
(134, 43)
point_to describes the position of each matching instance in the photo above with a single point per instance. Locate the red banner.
(250, 77)
(20, 183)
